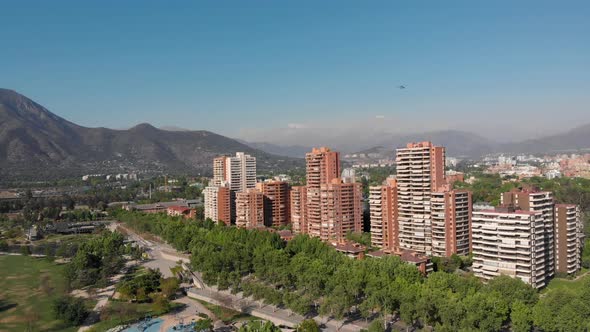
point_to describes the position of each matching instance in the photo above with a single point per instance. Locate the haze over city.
(305, 72)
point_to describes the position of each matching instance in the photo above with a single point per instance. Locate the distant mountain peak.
(35, 143)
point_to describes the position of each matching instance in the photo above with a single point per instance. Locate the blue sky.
(261, 69)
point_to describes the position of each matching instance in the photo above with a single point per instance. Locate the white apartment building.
(537, 201)
(508, 242)
(217, 203)
(240, 172)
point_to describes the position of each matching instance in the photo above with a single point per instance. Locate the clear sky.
(262, 70)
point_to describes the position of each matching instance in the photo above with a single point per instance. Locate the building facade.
(276, 202)
(383, 213)
(537, 201)
(341, 210)
(250, 209)
(298, 209)
(451, 222)
(420, 171)
(217, 200)
(326, 207)
(568, 238)
(240, 171)
(509, 242)
(322, 166)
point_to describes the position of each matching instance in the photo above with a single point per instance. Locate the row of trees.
(310, 277)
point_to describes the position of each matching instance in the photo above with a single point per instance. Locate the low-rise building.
(422, 262)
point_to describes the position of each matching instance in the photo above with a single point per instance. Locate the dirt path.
(187, 315)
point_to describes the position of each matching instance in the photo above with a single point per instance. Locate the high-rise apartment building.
(451, 221)
(235, 174)
(219, 170)
(419, 211)
(322, 166)
(240, 171)
(420, 171)
(250, 208)
(383, 212)
(568, 236)
(537, 201)
(276, 202)
(217, 203)
(341, 210)
(327, 207)
(509, 242)
(298, 209)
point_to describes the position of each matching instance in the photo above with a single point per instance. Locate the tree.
(376, 326)
(160, 303)
(25, 250)
(71, 310)
(308, 325)
(204, 325)
(259, 326)
(169, 286)
(521, 317)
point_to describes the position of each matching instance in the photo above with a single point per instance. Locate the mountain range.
(458, 144)
(35, 143)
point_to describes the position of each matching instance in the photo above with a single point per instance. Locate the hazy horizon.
(305, 73)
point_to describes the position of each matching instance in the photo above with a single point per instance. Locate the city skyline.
(277, 70)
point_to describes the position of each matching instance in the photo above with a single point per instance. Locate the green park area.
(28, 288)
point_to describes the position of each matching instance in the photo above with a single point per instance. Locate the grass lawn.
(26, 303)
(563, 284)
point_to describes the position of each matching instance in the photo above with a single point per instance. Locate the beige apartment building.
(537, 201)
(509, 242)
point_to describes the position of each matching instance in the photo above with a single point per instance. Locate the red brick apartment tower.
(249, 209)
(568, 238)
(298, 209)
(322, 166)
(383, 209)
(341, 209)
(276, 202)
(420, 171)
(451, 222)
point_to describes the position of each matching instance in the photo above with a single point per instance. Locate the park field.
(562, 284)
(28, 287)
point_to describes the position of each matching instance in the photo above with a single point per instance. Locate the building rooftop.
(506, 210)
(178, 208)
(349, 247)
(405, 255)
